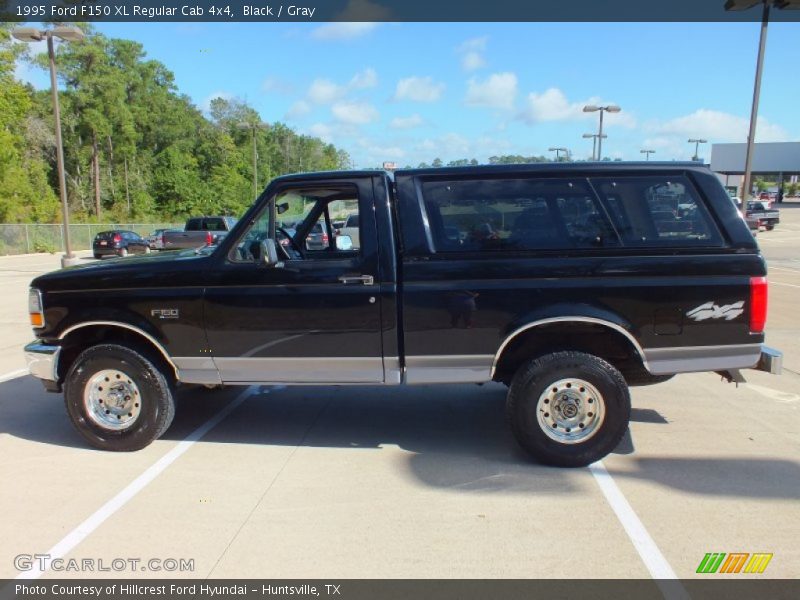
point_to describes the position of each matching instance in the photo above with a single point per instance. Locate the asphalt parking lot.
(422, 482)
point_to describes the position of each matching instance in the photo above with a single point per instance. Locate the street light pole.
(696, 143)
(736, 5)
(62, 180)
(647, 153)
(594, 137)
(558, 150)
(751, 136)
(612, 108)
(30, 34)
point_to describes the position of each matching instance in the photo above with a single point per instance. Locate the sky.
(413, 92)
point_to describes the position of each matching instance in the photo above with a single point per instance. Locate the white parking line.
(772, 282)
(77, 535)
(13, 375)
(653, 559)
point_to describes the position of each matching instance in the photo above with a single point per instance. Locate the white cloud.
(324, 91)
(471, 52)
(409, 122)
(472, 61)
(342, 31)
(499, 90)
(355, 113)
(553, 105)
(298, 109)
(378, 152)
(718, 126)
(419, 89)
(367, 78)
(322, 131)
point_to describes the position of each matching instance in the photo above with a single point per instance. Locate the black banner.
(743, 586)
(394, 10)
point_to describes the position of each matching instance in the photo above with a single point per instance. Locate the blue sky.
(411, 92)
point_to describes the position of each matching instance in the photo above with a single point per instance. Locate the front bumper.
(43, 360)
(770, 361)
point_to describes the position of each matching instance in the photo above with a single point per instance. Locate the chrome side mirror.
(344, 242)
(268, 256)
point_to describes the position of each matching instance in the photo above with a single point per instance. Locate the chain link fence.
(49, 237)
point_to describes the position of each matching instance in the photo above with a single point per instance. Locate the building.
(774, 161)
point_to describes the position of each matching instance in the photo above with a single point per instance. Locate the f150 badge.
(165, 313)
(709, 310)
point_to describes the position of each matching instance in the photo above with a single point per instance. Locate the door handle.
(365, 279)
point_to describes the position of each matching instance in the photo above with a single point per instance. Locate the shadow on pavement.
(457, 436)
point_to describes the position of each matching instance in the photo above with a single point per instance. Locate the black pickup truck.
(567, 282)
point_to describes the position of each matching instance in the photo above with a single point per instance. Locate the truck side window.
(304, 225)
(653, 211)
(516, 214)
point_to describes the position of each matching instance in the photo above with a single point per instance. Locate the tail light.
(209, 238)
(117, 238)
(758, 304)
(325, 239)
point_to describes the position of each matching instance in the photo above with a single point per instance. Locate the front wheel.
(568, 409)
(117, 398)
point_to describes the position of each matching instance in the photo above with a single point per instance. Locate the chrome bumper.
(43, 360)
(771, 361)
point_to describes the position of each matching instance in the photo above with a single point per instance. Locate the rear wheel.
(769, 227)
(568, 409)
(117, 398)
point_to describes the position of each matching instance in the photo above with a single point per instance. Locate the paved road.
(416, 482)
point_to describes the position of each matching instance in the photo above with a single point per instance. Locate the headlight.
(35, 308)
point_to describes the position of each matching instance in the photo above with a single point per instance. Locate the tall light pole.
(612, 108)
(647, 153)
(254, 127)
(697, 143)
(69, 34)
(762, 43)
(558, 150)
(594, 137)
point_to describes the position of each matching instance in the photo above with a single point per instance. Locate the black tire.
(98, 256)
(769, 227)
(157, 404)
(531, 383)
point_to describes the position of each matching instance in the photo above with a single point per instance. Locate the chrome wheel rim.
(570, 411)
(112, 399)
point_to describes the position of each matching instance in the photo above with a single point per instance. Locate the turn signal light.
(35, 309)
(758, 304)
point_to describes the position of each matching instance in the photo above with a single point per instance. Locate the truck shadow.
(455, 437)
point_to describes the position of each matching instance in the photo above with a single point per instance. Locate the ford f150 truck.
(567, 282)
(199, 231)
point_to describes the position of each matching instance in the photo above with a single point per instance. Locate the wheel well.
(84, 337)
(592, 338)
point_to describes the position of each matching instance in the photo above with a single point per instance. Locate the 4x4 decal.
(709, 310)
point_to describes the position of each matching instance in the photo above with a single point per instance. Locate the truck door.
(314, 318)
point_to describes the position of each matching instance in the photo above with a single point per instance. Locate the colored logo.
(735, 562)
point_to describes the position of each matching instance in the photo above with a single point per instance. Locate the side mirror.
(268, 256)
(344, 242)
(282, 208)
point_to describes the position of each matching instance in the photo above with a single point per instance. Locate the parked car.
(199, 231)
(753, 224)
(156, 240)
(767, 217)
(569, 317)
(350, 228)
(119, 242)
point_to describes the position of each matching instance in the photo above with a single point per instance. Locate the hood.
(149, 270)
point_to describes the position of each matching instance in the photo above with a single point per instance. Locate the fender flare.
(129, 327)
(570, 319)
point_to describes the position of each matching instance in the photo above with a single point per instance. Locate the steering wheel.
(293, 251)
